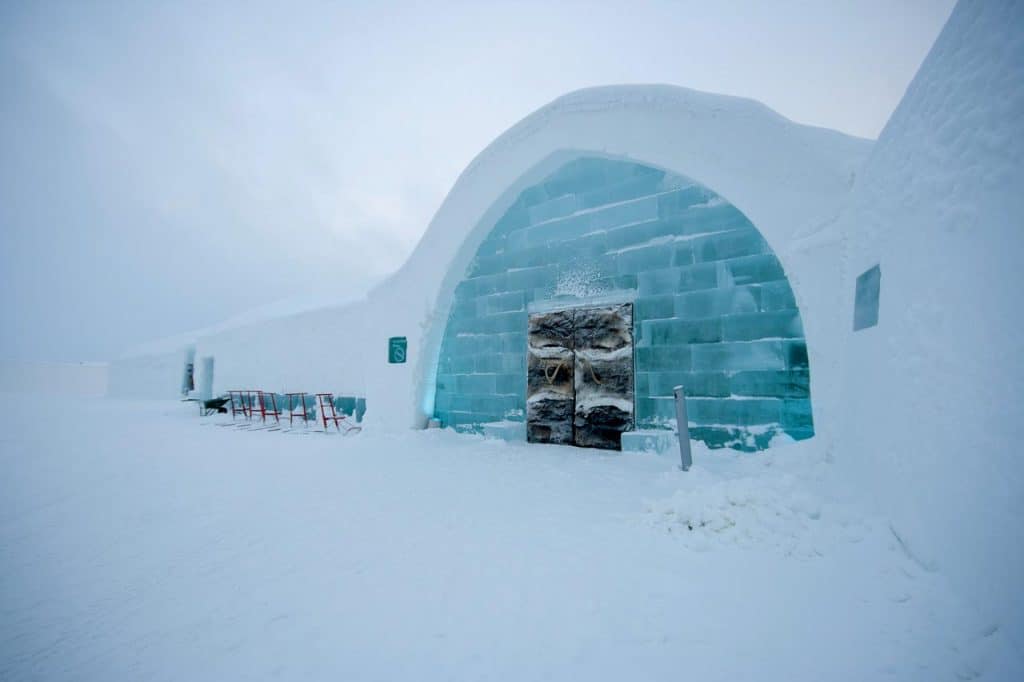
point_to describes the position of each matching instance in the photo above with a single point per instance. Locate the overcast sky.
(165, 166)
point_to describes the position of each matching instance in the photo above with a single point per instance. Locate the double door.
(580, 376)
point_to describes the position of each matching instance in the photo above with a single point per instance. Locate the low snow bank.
(156, 375)
(773, 501)
(315, 351)
(312, 350)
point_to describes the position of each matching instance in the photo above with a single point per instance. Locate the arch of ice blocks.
(786, 179)
(713, 309)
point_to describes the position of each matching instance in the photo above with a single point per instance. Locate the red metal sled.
(301, 414)
(262, 408)
(329, 414)
(240, 404)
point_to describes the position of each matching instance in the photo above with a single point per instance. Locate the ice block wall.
(713, 308)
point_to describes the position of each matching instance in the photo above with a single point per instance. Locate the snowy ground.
(138, 542)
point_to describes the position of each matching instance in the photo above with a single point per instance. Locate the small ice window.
(865, 307)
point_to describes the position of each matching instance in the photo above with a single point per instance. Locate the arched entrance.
(709, 304)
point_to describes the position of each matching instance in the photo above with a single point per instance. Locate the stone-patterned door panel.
(580, 376)
(550, 393)
(603, 348)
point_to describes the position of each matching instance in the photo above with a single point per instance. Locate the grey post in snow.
(188, 372)
(206, 378)
(683, 426)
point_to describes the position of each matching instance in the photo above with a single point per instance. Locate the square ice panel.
(865, 307)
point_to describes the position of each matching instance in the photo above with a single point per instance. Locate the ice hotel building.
(612, 245)
(615, 244)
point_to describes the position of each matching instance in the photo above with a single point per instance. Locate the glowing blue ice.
(713, 309)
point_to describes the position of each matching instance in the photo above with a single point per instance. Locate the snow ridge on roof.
(682, 102)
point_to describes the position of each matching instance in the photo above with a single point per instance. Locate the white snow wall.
(316, 351)
(932, 402)
(147, 375)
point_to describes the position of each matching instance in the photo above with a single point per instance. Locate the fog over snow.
(168, 165)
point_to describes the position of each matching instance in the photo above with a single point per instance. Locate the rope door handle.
(590, 366)
(551, 376)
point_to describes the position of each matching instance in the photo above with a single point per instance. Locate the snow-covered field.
(139, 542)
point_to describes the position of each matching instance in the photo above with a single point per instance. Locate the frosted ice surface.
(865, 310)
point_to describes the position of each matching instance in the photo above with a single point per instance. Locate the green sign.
(397, 346)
